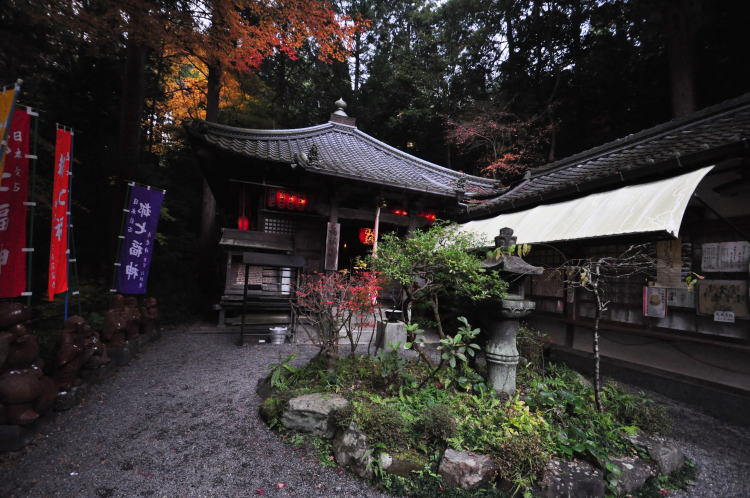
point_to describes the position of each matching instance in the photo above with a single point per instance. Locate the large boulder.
(667, 456)
(571, 479)
(634, 473)
(466, 470)
(312, 413)
(350, 450)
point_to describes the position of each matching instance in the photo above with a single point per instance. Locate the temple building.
(314, 194)
(683, 188)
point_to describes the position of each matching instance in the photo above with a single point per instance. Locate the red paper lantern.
(286, 200)
(400, 212)
(367, 236)
(243, 223)
(431, 217)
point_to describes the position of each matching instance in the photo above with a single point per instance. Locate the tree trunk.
(129, 135)
(597, 376)
(436, 314)
(208, 205)
(679, 49)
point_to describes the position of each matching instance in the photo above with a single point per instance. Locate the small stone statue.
(150, 318)
(25, 392)
(115, 322)
(80, 352)
(133, 318)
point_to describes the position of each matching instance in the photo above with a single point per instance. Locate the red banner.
(13, 193)
(58, 250)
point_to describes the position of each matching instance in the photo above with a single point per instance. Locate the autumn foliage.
(507, 144)
(336, 305)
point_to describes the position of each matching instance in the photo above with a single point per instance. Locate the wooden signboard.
(669, 264)
(726, 256)
(723, 295)
(681, 298)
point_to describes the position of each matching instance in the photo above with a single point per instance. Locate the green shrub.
(438, 422)
(522, 458)
(383, 424)
(636, 409)
(271, 410)
(343, 417)
(530, 343)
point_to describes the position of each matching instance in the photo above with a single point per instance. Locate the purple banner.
(141, 219)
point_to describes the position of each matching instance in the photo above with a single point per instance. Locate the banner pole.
(31, 204)
(68, 252)
(120, 237)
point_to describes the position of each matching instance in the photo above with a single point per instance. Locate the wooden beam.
(362, 215)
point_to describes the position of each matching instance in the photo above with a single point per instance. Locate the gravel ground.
(181, 420)
(720, 450)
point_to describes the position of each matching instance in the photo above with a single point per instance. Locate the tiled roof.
(677, 144)
(343, 151)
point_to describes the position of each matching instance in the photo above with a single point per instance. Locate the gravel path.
(181, 420)
(720, 450)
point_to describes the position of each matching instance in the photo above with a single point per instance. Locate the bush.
(438, 422)
(636, 409)
(522, 458)
(271, 410)
(530, 343)
(383, 424)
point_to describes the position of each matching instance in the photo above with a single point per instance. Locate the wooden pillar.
(333, 234)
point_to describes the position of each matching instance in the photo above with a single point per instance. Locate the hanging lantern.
(286, 200)
(367, 236)
(429, 216)
(243, 223)
(400, 212)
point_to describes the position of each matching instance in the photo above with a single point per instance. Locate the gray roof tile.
(343, 151)
(724, 124)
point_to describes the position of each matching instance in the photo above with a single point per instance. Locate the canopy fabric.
(649, 207)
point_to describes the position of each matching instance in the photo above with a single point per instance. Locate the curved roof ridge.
(422, 162)
(638, 138)
(235, 130)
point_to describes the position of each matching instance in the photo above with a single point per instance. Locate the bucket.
(278, 334)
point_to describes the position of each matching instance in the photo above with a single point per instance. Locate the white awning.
(645, 208)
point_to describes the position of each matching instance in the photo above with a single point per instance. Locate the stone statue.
(25, 392)
(150, 318)
(115, 323)
(80, 352)
(133, 318)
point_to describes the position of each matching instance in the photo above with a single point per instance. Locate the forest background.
(487, 87)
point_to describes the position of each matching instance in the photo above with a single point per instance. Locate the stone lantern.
(501, 351)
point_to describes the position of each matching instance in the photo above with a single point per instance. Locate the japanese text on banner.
(142, 219)
(13, 194)
(58, 252)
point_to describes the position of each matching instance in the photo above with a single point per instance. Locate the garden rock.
(571, 479)
(668, 457)
(350, 449)
(311, 413)
(402, 464)
(634, 473)
(466, 470)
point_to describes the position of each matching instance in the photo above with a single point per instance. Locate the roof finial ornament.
(340, 106)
